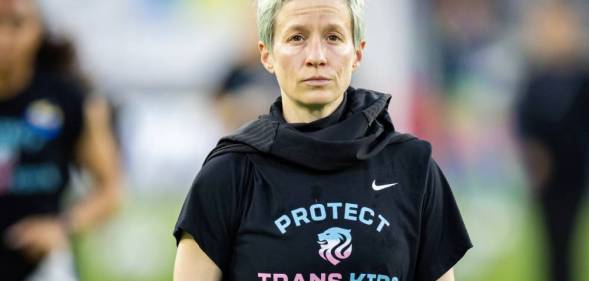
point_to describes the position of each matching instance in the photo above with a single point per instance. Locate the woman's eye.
(297, 38)
(16, 23)
(12, 22)
(333, 38)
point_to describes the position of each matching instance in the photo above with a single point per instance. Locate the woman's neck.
(294, 112)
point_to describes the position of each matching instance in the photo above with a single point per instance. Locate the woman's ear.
(266, 57)
(359, 55)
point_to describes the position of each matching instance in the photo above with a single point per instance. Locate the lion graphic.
(336, 244)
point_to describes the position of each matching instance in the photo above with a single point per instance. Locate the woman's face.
(313, 54)
(20, 34)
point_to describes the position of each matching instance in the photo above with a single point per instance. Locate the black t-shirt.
(341, 198)
(39, 129)
(392, 217)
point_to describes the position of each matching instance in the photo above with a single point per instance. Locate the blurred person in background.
(247, 89)
(47, 123)
(245, 92)
(464, 28)
(552, 116)
(467, 59)
(323, 185)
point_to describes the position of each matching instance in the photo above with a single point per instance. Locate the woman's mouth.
(317, 81)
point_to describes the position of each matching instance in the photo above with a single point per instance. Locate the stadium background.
(161, 61)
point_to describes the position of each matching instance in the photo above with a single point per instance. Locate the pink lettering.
(280, 277)
(301, 277)
(335, 277)
(264, 276)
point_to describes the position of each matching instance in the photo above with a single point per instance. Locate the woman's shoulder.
(226, 169)
(226, 160)
(414, 153)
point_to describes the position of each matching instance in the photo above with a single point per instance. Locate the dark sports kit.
(342, 198)
(39, 129)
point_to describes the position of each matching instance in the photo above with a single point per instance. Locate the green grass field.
(138, 245)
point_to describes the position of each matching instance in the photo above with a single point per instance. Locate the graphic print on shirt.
(41, 122)
(336, 244)
(44, 118)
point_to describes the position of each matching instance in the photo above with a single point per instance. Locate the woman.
(46, 124)
(551, 121)
(322, 188)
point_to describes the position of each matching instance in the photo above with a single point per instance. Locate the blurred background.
(497, 86)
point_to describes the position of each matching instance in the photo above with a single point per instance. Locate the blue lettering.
(383, 278)
(16, 135)
(371, 277)
(318, 217)
(383, 222)
(282, 223)
(319, 212)
(334, 207)
(300, 215)
(363, 218)
(29, 179)
(350, 211)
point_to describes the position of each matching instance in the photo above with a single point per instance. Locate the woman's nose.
(315, 53)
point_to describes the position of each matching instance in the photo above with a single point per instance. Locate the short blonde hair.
(268, 9)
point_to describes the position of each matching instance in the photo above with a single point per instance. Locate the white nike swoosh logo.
(381, 187)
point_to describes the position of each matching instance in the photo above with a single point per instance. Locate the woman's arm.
(97, 153)
(192, 264)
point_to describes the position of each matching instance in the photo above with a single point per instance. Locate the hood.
(363, 131)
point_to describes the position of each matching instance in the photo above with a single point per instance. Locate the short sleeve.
(443, 237)
(210, 213)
